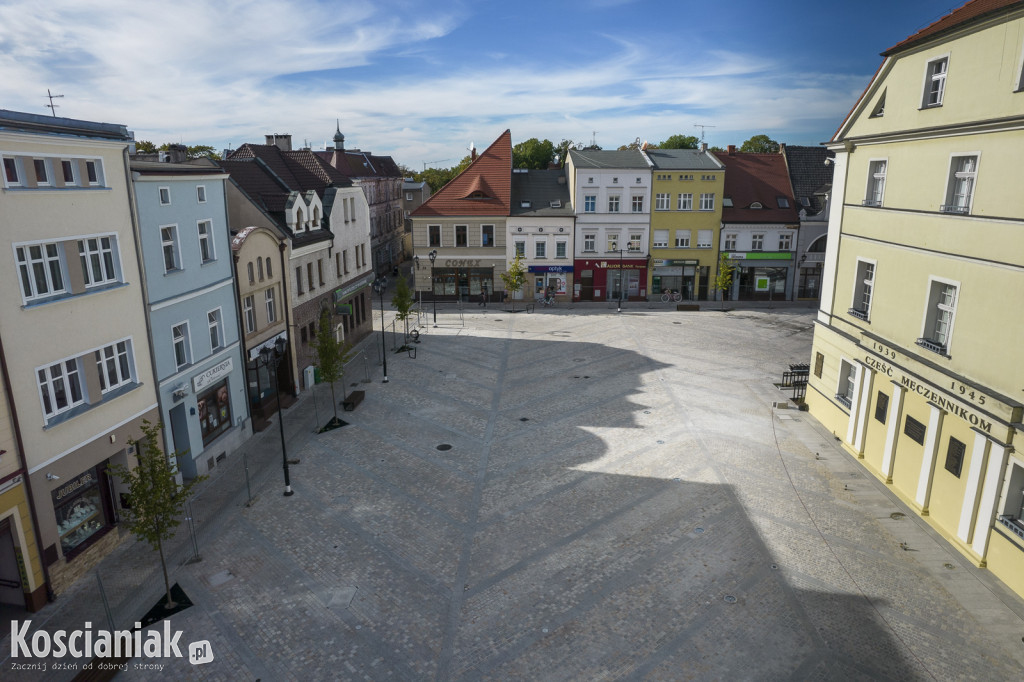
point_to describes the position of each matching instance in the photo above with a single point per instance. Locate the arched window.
(299, 225)
(252, 278)
(818, 245)
(270, 269)
(316, 217)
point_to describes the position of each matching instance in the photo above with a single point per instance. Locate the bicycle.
(669, 295)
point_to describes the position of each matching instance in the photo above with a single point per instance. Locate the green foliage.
(156, 498)
(439, 177)
(193, 152)
(680, 142)
(331, 354)
(533, 154)
(635, 144)
(760, 144)
(723, 279)
(514, 277)
(145, 147)
(562, 150)
(402, 299)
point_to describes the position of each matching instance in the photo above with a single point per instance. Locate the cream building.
(913, 364)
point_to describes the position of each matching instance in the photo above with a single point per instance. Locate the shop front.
(554, 279)
(611, 280)
(762, 276)
(350, 302)
(462, 279)
(83, 510)
(265, 383)
(21, 578)
(675, 275)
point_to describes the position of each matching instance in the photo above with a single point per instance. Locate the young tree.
(680, 142)
(514, 278)
(331, 356)
(156, 498)
(402, 301)
(760, 144)
(723, 280)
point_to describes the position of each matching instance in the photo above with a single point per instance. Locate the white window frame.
(96, 166)
(683, 239)
(215, 322)
(707, 201)
(635, 239)
(540, 249)
(846, 387)
(637, 203)
(590, 203)
(561, 249)
(785, 241)
(864, 287)
(950, 204)
(123, 373)
(931, 77)
(47, 384)
(249, 313)
(662, 201)
(757, 241)
(206, 239)
(520, 249)
(705, 239)
(614, 203)
(175, 245)
(874, 192)
(685, 201)
(26, 270)
(934, 308)
(186, 342)
(161, 193)
(270, 300)
(659, 240)
(613, 242)
(201, 194)
(47, 171)
(730, 241)
(483, 232)
(592, 238)
(19, 171)
(86, 254)
(73, 165)
(430, 229)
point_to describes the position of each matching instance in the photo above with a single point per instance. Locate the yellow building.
(913, 364)
(686, 219)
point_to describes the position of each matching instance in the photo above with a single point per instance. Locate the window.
(960, 188)
(270, 268)
(785, 242)
(782, 201)
(634, 242)
(864, 286)
(730, 241)
(688, 176)
(165, 196)
(249, 268)
(939, 315)
(686, 202)
(201, 193)
(589, 243)
(67, 169)
(914, 429)
(876, 183)
(707, 178)
(408, 196)
(819, 364)
(169, 244)
(613, 204)
(638, 203)
(181, 343)
(847, 381)
(60, 387)
(707, 201)
(561, 250)
(881, 407)
(661, 202)
(757, 241)
(271, 306)
(955, 456)
(935, 83)
(98, 261)
(42, 178)
(682, 239)
(12, 172)
(726, 202)
(433, 235)
(539, 250)
(298, 280)
(114, 363)
(248, 310)
(344, 261)
(41, 269)
(613, 242)
(521, 249)
(206, 242)
(320, 271)
(309, 275)
(213, 318)
(590, 203)
(92, 171)
(461, 235)
(487, 235)
(879, 109)
(660, 239)
(259, 268)
(704, 239)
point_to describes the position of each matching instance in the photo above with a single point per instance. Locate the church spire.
(339, 139)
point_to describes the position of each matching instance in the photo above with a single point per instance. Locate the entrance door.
(705, 277)
(587, 285)
(10, 575)
(181, 444)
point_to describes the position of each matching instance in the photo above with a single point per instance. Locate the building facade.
(686, 218)
(810, 172)
(73, 326)
(540, 229)
(611, 193)
(465, 224)
(190, 289)
(913, 351)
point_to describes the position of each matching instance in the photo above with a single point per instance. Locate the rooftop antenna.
(51, 105)
(702, 127)
(593, 138)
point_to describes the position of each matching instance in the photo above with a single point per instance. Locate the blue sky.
(422, 80)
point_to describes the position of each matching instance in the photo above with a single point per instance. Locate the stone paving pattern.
(619, 501)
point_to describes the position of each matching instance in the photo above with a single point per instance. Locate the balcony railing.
(954, 208)
(871, 202)
(1014, 524)
(843, 400)
(933, 346)
(860, 314)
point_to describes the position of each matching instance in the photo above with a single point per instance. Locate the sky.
(421, 81)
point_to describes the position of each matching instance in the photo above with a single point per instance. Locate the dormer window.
(316, 218)
(477, 195)
(299, 224)
(756, 204)
(783, 202)
(727, 202)
(805, 202)
(525, 204)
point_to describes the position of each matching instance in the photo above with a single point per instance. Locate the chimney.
(472, 152)
(782, 147)
(176, 153)
(732, 150)
(704, 147)
(281, 141)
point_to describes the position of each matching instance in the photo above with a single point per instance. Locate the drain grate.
(524, 419)
(444, 446)
(729, 599)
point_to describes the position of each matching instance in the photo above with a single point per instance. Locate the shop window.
(955, 456)
(80, 511)
(881, 407)
(214, 412)
(914, 429)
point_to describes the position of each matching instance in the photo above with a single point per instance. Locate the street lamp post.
(379, 285)
(621, 251)
(274, 355)
(433, 294)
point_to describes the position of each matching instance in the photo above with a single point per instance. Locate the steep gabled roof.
(971, 11)
(808, 174)
(760, 178)
(490, 175)
(298, 170)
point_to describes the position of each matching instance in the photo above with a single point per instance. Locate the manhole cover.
(775, 567)
(444, 446)
(729, 599)
(949, 566)
(698, 530)
(896, 516)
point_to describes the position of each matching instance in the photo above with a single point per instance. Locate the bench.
(353, 399)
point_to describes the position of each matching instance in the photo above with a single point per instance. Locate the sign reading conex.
(466, 263)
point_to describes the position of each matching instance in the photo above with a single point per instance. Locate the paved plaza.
(568, 494)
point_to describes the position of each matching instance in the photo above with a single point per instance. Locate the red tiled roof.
(970, 11)
(760, 178)
(490, 174)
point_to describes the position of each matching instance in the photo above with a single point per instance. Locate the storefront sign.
(657, 262)
(669, 272)
(269, 343)
(550, 268)
(86, 479)
(345, 292)
(762, 255)
(201, 381)
(466, 263)
(625, 265)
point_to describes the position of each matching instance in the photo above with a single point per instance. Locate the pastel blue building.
(193, 311)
